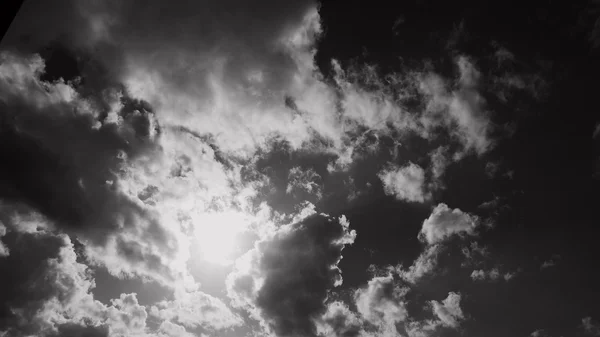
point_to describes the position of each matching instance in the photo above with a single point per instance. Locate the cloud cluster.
(492, 274)
(152, 150)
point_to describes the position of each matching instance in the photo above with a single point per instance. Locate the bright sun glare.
(216, 235)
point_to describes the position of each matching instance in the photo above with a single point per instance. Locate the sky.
(299, 169)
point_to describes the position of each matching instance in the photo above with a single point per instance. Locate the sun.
(217, 235)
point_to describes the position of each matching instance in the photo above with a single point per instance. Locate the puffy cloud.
(448, 311)
(435, 231)
(48, 287)
(590, 327)
(285, 279)
(64, 159)
(405, 183)
(169, 329)
(339, 320)
(126, 316)
(492, 274)
(196, 309)
(445, 222)
(382, 304)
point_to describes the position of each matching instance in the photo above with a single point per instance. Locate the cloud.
(448, 311)
(57, 142)
(492, 274)
(307, 181)
(196, 309)
(461, 110)
(539, 333)
(3, 249)
(284, 280)
(439, 163)
(550, 262)
(169, 329)
(405, 183)
(48, 287)
(338, 320)
(590, 327)
(424, 265)
(474, 253)
(382, 304)
(445, 222)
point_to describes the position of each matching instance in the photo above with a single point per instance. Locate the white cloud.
(382, 303)
(169, 329)
(196, 309)
(405, 183)
(126, 316)
(445, 222)
(424, 265)
(339, 320)
(449, 312)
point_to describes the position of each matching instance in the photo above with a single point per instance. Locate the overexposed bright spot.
(217, 235)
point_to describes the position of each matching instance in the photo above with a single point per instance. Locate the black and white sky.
(230, 168)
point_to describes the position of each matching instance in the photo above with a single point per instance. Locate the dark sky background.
(552, 194)
(536, 187)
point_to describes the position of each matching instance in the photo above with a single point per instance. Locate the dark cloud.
(48, 291)
(297, 266)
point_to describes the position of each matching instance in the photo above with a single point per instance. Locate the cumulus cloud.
(445, 222)
(339, 320)
(448, 311)
(284, 280)
(151, 150)
(49, 293)
(436, 230)
(405, 183)
(382, 304)
(48, 287)
(64, 160)
(196, 309)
